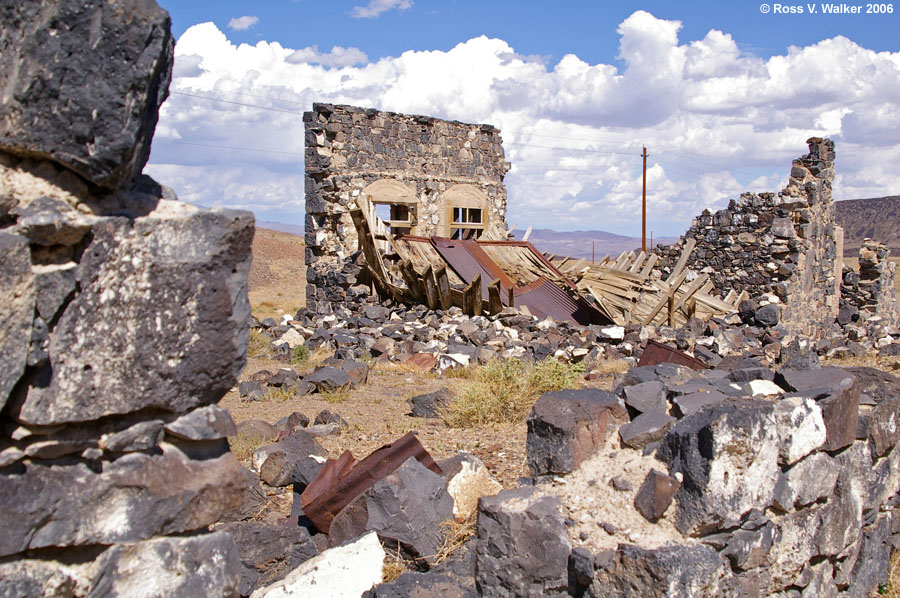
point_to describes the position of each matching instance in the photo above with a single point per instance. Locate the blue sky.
(722, 94)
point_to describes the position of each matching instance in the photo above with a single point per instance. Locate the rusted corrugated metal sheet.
(543, 298)
(343, 480)
(656, 352)
(467, 260)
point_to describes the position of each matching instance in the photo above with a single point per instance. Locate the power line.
(191, 95)
(240, 149)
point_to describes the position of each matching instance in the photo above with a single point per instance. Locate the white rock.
(764, 388)
(292, 338)
(341, 572)
(614, 332)
(801, 428)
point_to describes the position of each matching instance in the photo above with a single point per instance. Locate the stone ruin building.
(788, 244)
(433, 177)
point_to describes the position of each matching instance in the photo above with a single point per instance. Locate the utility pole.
(644, 207)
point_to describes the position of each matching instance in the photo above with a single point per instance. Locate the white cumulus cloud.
(376, 7)
(242, 23)
(338, 56)
(716, 121)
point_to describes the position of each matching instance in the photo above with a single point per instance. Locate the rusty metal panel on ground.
(467, 264)
(343, 481)
(543, 298)
(656, 352)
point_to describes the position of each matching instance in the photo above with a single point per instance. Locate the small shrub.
(279, 394)
(259, 345)
(503, 391)
(243, 445)
(553, 374)
(367, 359)
(300, 355)
(336, 396)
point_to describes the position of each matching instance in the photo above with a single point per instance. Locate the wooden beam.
(664, 300)
(495, 303)
(472, 296)
(478, 302)
(511, 298)
(431, 292)
(443, 287)
(682, 261)
(411, 279)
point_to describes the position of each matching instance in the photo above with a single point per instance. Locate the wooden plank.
(512, 297)
(682, 261)
(431, 292)
(663, 301)
(691, 290)
(527, 234)
(478, 299)
(742, 297)
(648, 266)
(411, 279)
(638, 262)
(729, 298)
(443, 287)
(495, 304)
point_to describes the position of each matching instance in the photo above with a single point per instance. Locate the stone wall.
(422, 163)
(759, 483)
(123, 320)
(785, 243)
(871, 289)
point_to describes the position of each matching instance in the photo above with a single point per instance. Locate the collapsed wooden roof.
(488, 274)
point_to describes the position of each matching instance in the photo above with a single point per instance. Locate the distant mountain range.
(582, 243)
(295, 229)
(877, 218)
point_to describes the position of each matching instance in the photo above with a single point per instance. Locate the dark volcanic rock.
(427, 405)
(408, 506)
(728, 455)
(655, 494)
(160, 321)
(646, 428)
(329, 379)
(56, 506)
(414, 584)
(268, 552)
(668, 572)
(522, 547)
(205, 566)
(206, 423)
(17, 299)
(566, 427)
(277, 461)
(58, 104)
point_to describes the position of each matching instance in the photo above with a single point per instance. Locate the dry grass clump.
(335, 396)
(279, 394)
(503, 391)
(243, 444)
(259, 346)
(612, 366)
(456, 533)
(892, 588)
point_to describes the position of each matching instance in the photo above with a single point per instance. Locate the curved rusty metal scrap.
(342, 480)
(656, 352)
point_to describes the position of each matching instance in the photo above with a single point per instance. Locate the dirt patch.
(277, 278)
(604, 516)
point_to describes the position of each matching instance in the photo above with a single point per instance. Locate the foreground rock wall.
(425, 163)
(777, 483)
(782, 243)
(123, 320)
